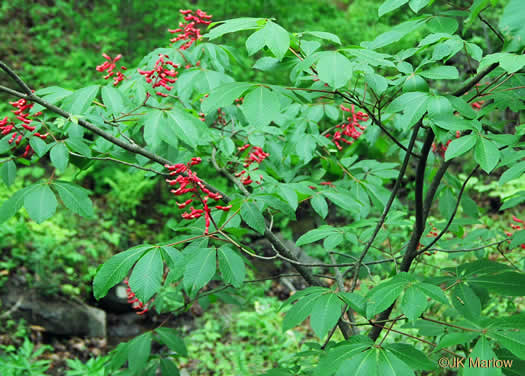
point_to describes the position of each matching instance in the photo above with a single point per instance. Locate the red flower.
(161, 75)
(348, 128)
(108, 66)
(189, 32)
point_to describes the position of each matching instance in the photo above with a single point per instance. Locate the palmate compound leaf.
(146, 278)
(116, 269)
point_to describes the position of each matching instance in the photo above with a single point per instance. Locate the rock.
(56, 315)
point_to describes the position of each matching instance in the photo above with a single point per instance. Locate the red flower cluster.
(192, 183)
(21, 113)
(348, 129)
(137, 305)
(256, 155)
(109, 65)
(160, 75)
(516, 227)
(441, 149)
(189, 31)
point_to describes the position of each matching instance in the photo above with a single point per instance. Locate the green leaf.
(116, 269)
(480, 354)
(277, 39)
(389, 364)
(417, 5)
(289, 195)
(518, 238)
(408, 101)
(316, 234)
(77, 145)
(506, 284)
(153, 124)
(443, 25)
(383, 295)
(462, 107)
(466, 302)
(414, 358)
(114, 100)
(512, 22)
(447, 203)
(486, 153)
(362, 364)
(343, 200)
(433, 292)
(253, 217)
(170, 338)
(460, 146)
(325, 313)
(324, 35)
(200, 269)
(414, 303)
(255, 42)
(355, 301)
(8, 172)
(512, 341)
(305, 149)
(438, 106)
(224, 96)
(146, 278)
(300, 311)
(444, 72)
(182, 125)
(376, 82)
(370, 57)
(38, 145)
(266, 63)
(168, 368)
(261, 106)
(453, 339)
(319, 205)
(512, 173)
(139, 350)
(231, 266)
(334, 69)
(40, 203)
(512, 62)
(75, 198)
(59, 156)
(234, 25)
(78, 102)
(395, 34)
(390, 5)
(15, 202)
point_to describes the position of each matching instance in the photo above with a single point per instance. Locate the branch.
(15, 77)
(445, 229)
(121, 162)
(388, 205)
